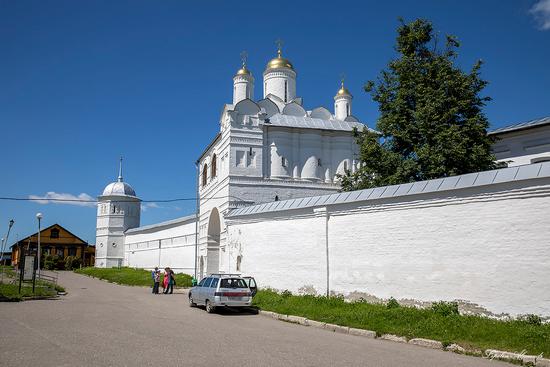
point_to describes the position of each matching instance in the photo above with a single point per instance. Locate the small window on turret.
(283, 161)
(319, 162)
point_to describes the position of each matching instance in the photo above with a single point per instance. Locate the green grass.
(130, 276)
(10, 292)
(471, 332)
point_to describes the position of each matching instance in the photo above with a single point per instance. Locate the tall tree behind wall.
(431, 121)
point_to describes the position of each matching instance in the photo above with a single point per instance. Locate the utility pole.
(196, 218)
(39, 217)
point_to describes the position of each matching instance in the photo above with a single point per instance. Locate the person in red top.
(166, 280)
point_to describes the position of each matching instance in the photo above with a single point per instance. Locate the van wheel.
(209, 307)
(191, 303)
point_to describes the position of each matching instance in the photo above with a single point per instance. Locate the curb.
(529, 360)
(515, 357)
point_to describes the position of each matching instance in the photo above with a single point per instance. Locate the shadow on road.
(228, 311)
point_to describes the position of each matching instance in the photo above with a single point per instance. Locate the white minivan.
(223, 290)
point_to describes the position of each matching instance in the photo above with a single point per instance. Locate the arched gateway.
(213, 242)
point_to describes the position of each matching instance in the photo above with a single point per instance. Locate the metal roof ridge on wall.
(450, 183)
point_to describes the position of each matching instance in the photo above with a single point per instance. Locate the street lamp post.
(39, 217)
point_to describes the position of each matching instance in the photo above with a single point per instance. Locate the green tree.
(431, 121)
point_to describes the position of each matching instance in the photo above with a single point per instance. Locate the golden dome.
(343, 91)
(243, 71)
(279, 62)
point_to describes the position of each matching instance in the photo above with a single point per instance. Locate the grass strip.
(10, 292)
(131, 276)
(471, 332)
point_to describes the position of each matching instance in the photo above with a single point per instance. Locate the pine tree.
(431, 121)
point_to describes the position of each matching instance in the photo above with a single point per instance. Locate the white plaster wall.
(243, 88)
(274, 83)
(340, 110)
(110, 228)
(170, 246)
(287, 254)
(489, 246)
(304, 149)
(524, 146)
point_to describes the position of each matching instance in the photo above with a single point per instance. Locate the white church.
(270, 206)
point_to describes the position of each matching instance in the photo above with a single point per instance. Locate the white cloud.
(146, 206)
(541, 12)
(62, 198)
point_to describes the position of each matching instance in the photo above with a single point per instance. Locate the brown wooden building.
(54, 240)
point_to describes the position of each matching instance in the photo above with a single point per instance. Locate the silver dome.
(119, 188)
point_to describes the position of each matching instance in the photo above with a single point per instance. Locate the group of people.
(168, 280)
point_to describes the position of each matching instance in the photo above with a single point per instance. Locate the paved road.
(102, 324)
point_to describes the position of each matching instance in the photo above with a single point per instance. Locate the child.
(156, 279)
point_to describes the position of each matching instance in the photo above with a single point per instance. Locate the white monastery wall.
(168, 244)
(488, 245)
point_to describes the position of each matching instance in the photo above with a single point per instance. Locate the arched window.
(345, 166)
(213, 167)
(204, 174)
(286, 91)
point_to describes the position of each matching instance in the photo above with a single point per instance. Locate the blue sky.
(82, 83)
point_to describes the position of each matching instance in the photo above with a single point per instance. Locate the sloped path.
(103, 324)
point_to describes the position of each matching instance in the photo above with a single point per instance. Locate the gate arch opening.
(213, 242)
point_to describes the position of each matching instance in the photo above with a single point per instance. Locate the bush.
(392, 303)
(286, 293)
(72, 262)
(531, 319)
(50, 262)
(60, 263)
(445, 308)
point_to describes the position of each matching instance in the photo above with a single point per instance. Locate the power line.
(7, 198)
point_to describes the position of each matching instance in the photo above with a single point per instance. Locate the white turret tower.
(118, 209)
(342, 103)
(243, 82)
(280, 78)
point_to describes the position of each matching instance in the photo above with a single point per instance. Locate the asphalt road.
(102, 324)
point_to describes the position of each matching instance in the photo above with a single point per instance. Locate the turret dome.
(343, 91)
(119, 187)
(243, 71)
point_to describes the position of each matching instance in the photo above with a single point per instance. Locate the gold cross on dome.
(244, 57)
(279, 43)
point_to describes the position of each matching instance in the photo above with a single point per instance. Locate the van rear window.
(233, 283)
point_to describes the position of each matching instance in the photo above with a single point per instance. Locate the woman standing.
(172, 281)
(165, 280)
